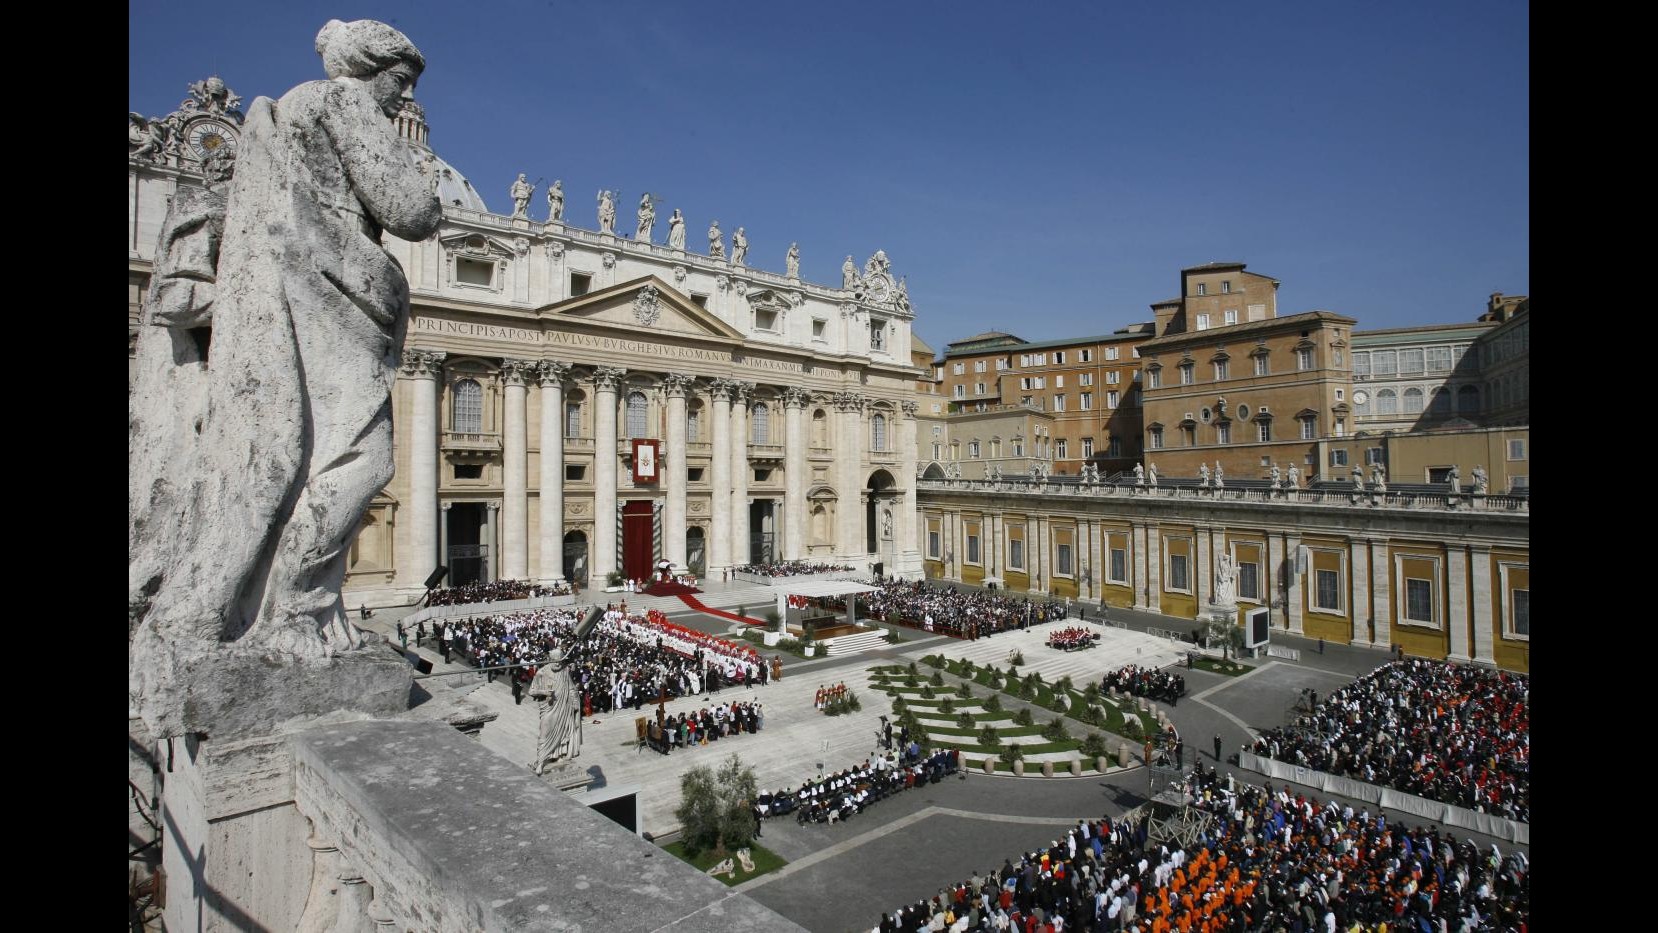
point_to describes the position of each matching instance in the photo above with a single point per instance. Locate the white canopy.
(823, 588)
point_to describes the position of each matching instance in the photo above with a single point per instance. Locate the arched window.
(820, 429)
(1441, 404)
(1387, 403)
(693, 425)
(1468, 400)
(760, 418)
(572, 419)
(469, 407)
(637, 408)
(1413, 401)
(878, 433)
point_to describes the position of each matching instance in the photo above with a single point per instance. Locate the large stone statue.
(1226, 580)
(559, 735)
(607, 211)
(739, 248)
(676, 230)
(716, 241)
(1455, 479)
(1203, 475)
(1378, 477)
(555, 201)
(1295, 477)
(1139, 475)
(1482, 481)
(521, 192)
(1151, 474)
(308, 322)
(1220, 476)
(1277, 476)
(791, 262)
(849, 274)
(647, 219)
(1358, 477)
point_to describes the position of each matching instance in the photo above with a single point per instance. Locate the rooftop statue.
(555, 201)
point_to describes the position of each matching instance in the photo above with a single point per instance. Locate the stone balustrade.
(1297, 497)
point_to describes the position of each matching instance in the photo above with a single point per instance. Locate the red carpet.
(669, 588)
(696, 604)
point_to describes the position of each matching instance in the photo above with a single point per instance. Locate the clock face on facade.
(1360, 397)
(205, 136)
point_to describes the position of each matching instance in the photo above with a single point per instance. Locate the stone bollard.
(989, 765)
(1102, 764)
(1076, 767)
(1122, 754)
(1047, 769)
(1019, 767)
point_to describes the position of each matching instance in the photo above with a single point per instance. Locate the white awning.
(823, 588)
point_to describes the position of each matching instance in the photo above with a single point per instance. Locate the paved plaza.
(843, 876)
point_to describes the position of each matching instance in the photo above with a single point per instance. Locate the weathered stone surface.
(231, 691)
(456, 838)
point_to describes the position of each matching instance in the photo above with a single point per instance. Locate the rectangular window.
(1041, 382)
(1261, 365)
(1516, 449)
(978, 388)
(1059, 402)
(1157, 379)
(1361, 364)
(1186, 374)
(973, 546)
(978, 366)
(1327, 590)
(1001, 365)
(1110, 353)
(1249, 581)
(1059, 381)
(1085, 379)
(959, 368)
(765, 319)
(1223, 370)
(1309, 429)
(1521, 601)
(1188, 435)
(1016, 554)
(1059, 357)
(1087, 448)
(700, 301)
(1062, 560)
(694, 474)
(1203, 322)
(1372, 455)
(877, 335)
(1087, 356)
(1202, 288)
(1155, 436)
(1226, 286)
(572, 419)
(932, 544)
(938, 451)
(1062, 449)
(1087, 403)
(1384, 363)
(1135, 351)
(573, 472)
(1439, 360)
(469, 471)
(1112, 378)
(1341, 427)
(1410, 362)
(1119, 565)
(1338, 458)
(1304, 358)
(580, 283)
(1419, 601)
(474, 272)
(818, 328)
(1231, 316)
(1111, 398)
(1177, 573)
(1263, 431)
(961, 390)
(1223, 432)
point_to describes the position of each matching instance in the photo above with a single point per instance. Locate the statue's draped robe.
(307, 332)
(559, 735)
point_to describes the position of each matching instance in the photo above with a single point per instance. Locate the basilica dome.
(453, 188)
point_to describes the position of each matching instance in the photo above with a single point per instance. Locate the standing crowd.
(1146, 682)
(968, 614)
(495, 591)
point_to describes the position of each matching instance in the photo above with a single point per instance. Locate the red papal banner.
(647, 461)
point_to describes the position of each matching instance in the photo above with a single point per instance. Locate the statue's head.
(375, 53)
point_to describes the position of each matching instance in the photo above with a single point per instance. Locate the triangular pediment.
(643, 305)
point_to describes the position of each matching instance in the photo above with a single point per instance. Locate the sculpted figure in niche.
(676, 230)
(791, 262)
(555, 201)
(647, 219)
(607, 211)
(521, 192)
(716, 241)
(559, 733)
(308, 321)
(739, 248)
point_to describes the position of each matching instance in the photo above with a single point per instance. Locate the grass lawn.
(1217, 666)
(764, 860)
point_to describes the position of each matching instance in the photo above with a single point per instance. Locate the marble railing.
(457, 440)
(1302, 497)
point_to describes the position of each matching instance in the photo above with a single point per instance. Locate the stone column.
(672, 466)
(907, 550)
(422, 367)
(492, 541)
(1456, 622)
(1292, 594)
(603, 559)
(1358, 563)
(1085, 563)
(719, 542)
(552, 374)
(1137, 544)
(1484, 624)
(795, 401)
(849, 449)
(1202, 581)
(992, 544)
(515, 506)
(1154, 568)
(1035, 549)
(1380, 592)
(740, 394)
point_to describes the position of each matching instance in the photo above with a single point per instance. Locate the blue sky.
(1040, 168)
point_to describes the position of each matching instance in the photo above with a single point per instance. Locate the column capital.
(417, 362)
(517, 372)
(741, 392)
(796, 397)
(721, 389)
(607, 377)
(677, 385)
(910, 408)
(552, 372)
(849, 401)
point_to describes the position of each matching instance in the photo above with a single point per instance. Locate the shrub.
(614, 578)
(1063, 684)
(1011, 754)
(995, 680)
(927, 692)
(1012, 672)
(714, 807)
(947, 706)
(772, 618)
(1055, 731)
(1132, 728)
(993, 703)
(1028, 688)
(937, 679)
(912, 669)
(1093, 745)
(964, 721)
(1018, 656)
(1023, 718)
(1091, 693)
(911, 681)
(989, 738)
(893, 637)
(965, 692)
(931, 660)
(968, 670)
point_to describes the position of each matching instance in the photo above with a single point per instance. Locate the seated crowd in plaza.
(1274, 861)
(688, 730)
(1146, 682)
(969, 614)
(627, 661)
(495, 591)
(1456, 734)
(1076, 636)
(848, 792)
(789, 568)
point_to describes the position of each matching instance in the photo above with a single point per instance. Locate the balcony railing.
(458, 440)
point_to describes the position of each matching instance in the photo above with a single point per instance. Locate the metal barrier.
(1279, 651)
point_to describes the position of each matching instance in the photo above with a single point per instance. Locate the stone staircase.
(853, 644)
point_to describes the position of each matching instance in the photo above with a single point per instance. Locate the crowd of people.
(789, 568)
(1147, 682)
(495, 591)
(827, 695)
(968, 614)
(1272, 861)
(1456, 734)
(628, 660)
(1073, 637)
(688, 730)
(842, 795)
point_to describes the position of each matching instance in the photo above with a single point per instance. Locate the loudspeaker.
(423, 665)
(437, 576)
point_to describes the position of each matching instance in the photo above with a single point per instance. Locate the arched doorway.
(575, 558)
(880, 516)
